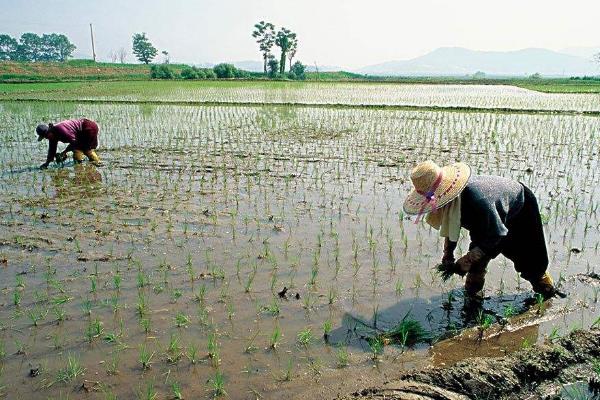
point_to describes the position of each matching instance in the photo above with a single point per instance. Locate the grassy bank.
(87, 70)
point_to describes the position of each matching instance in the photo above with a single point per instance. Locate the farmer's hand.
(44, 165)
(448, 257)
(473, 258)
(61, 157)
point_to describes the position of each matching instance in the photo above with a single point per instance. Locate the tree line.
(32, 47)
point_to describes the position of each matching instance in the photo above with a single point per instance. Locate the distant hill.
(457, 61)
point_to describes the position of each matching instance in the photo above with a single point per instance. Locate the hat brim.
(455, 178)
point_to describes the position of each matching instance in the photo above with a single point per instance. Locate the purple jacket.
(65, 132)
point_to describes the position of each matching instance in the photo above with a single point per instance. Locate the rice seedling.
(181, 320)
(147, 393)
(145, 324)
(407, 332)
(327, 326)
(275, 338)
(70, 371)
(212, 348)
(145, 357)
(36, 314)
(176, 389)
(343, 357)
(218, 384)
(192, 353)
(287, 375)
(112, 365)
(305, 336)
(376, 345)
(173, 352)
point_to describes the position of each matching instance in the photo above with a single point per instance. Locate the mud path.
(534, 373)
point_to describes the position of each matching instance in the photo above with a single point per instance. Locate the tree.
(113, 56)
(597, 57)
(122, 54)
(225, 71)
(298, 71)
(264, 33)
(29, 48)
(166, 56)
(143, 49)
(56, 47)
(292, 50)
(8, 47)
(273, 65)
(283, 40)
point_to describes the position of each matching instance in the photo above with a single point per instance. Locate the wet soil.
(539, 372)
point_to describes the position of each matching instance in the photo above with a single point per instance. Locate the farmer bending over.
(501, 215)
(80, 134)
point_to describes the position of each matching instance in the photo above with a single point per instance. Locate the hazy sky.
(348, 33)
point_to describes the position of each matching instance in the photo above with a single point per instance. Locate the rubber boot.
(78, 156)
(544, 286)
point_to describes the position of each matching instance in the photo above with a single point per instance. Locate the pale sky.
(346, 33)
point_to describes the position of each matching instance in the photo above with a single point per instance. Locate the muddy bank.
(539, 372)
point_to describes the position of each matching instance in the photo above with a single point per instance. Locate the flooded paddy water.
(253, 249)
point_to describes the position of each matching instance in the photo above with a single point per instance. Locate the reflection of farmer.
(80, 134)
(501, 215)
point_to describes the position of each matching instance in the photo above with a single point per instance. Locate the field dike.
(534, 373)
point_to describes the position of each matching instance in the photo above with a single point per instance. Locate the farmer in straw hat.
(80, 134)
(501, 215)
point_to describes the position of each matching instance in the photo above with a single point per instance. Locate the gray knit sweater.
(487, 204)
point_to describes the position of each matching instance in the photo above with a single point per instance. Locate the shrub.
(297, 71)
(189, 73)
(209, 74)
(162, 71)
(225, 71)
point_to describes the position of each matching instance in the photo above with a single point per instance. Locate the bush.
(162, 71)
(209, 74)
(200, 73)
(297, 71)
(189, 73)
(225, 71)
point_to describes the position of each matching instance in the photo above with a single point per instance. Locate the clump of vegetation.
(407, 332)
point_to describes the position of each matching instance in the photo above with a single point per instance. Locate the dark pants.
(525, 244)
(87, 139)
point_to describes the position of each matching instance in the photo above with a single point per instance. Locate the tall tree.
(143, 49)
(55, 47)
(283, 40)
(8, 47)
(29, 48)
(292, 50)
(63, 47)
(264, 33)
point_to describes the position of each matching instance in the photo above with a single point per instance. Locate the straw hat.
(435, 186)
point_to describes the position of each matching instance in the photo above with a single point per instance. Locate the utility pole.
(93, 47)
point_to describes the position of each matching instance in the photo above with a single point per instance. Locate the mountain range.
(453, 61)
(458, 61)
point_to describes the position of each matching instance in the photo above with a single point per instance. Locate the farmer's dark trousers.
(525, 244)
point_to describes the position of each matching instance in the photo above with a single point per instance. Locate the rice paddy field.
(255, 249)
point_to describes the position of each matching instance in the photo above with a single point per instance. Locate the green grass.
(147, 90)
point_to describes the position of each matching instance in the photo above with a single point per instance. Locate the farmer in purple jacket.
(81, 135)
